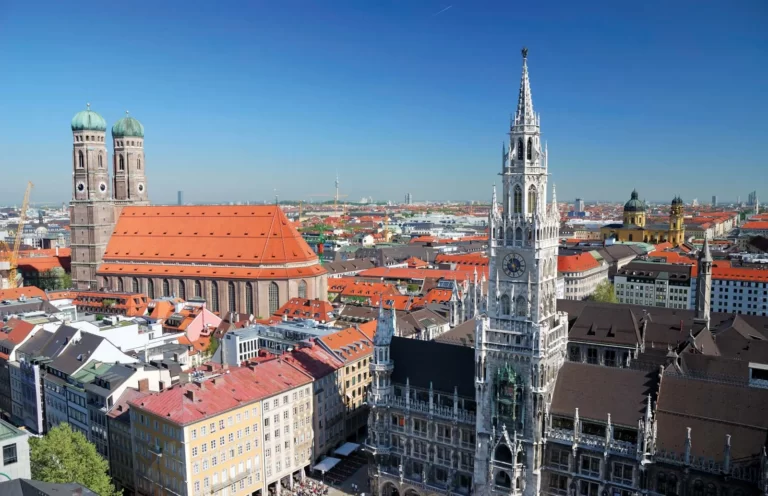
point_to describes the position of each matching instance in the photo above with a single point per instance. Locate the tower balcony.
(592, 442)
(382, 367)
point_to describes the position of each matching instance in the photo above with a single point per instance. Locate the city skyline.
(388, 93)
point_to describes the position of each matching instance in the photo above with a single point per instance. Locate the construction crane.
(13, 255)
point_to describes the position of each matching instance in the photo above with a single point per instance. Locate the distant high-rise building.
(695, 202)
(714, 200)
(578, 205)
(180, 198)
(408, 199)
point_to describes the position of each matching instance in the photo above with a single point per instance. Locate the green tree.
(64, 455)
(604, 293)
(213, 345)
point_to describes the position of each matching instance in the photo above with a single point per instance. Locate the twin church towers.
(97, 199)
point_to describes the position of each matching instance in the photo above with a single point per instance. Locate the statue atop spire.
(524, 114)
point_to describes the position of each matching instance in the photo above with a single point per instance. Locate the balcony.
(596, 443)
(422, 407)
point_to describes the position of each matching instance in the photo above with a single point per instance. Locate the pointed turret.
(554, 199)
(704, 285)
(706, 255)
(524, 113)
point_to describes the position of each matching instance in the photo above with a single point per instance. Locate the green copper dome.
(634, 204)
(127, 127)
(88, 120)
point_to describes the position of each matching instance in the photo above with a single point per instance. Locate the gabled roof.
(220, 234)
(577, 263)
(26, 291)
(14, 332)
(606, 324)
(348, 344)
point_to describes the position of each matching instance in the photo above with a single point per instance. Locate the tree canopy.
(64, 456)
(604, 293)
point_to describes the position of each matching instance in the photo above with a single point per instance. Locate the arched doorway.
(389, 489)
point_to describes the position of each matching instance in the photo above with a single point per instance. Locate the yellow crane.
(13, 255)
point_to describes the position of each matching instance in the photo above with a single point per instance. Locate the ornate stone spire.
(524, 113)
(554, 199)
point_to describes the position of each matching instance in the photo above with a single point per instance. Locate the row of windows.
(273, 293)
(88, 137)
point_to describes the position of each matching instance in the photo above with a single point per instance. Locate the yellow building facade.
(635, 227)
(243, 432)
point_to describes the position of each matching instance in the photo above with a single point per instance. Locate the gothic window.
(135, 285)
(198, 289)
(509, 235)
(505, 305)
(138, 165)
(182, 290)
(531, 199)
(521, 306)
(503, 454)
(698, 488)
(166, 288)
(518, 199)
(120, 285)
(214, 296)
(101, 161)
(249, 298)
(122, 163)
(529, 149)
(80, 160)
(519, 149)
(274, 298)
(151, 289)
(302, 289)
(231, 296)
(519, 236)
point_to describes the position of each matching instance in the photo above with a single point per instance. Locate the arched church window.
(302, 289)
(138, 164)
(122, 163)
(214, 296)
(198, 289)
(135, 285)
(529, 149)
(518, 207)
(519, 236)
(80, 160)
(151, 289)
(509, 236)
(120, 285)
(166, 287)
(249, 298)
(519, 149)
(101, 161)
(505, 305)
(531, 199)
(274, 298)
(182, 290)
(521, 306)
(231, 296)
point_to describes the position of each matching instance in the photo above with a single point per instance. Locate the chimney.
(190, 394)
(144, 385)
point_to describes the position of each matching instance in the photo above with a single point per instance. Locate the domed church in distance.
(248, 259)
(635, 228)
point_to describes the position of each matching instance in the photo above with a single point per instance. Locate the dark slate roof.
(597, 391)
(652, 271)
(712, 410)
(410, 323)
(60, 338)
(347, 266)
(461, 335)
(36, 343)
(446, 366)
(715, 367)
(76, 354)
(27, 487)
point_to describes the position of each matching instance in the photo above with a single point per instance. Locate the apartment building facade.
(229, 431)
(655, 284)
(581, 273)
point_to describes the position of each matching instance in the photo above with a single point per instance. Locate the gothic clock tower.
(520, 337)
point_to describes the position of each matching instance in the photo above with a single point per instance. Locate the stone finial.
(727, 455)
(688, 446)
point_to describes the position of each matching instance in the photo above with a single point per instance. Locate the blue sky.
(241, 98)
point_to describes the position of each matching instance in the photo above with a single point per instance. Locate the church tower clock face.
(513, 265)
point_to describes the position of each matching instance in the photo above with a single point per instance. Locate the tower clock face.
(513, 265)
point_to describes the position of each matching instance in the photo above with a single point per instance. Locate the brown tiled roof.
(597, 391)
(606, 324)
(712, 410)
